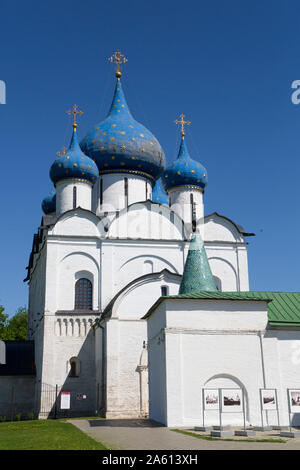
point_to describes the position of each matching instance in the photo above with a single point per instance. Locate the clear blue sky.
(228, 65)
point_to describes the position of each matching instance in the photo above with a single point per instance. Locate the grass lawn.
(45, 435)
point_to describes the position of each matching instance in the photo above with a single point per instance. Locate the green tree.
(16, 328)
(3, 323)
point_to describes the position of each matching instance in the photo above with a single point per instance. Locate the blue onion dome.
(121, 144)
(158, 194)
(49, 204)
(184, 171)
(73, 164)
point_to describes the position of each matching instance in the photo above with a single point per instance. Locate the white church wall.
(60, 338)
(79, 223)
(100, 368)
(218, 228)
(137, 301)
(228, 357)
(157, 366)
(147, 221)
(114, 199)
(217, 315)
(227, 252)
(288, 363)
(67, 261)
(205, 340)
(242, 268)
(112, 386)
(37, 293)
(77, 339)
(132, 336)
(126, 367)
(125, 261)
(73, 266)
(66, 337)
(65, 195)
(180, 202)
(127, 362)
(47, 358)
(228, 266)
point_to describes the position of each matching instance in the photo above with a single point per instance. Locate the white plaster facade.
(71, 194)
(195, 344)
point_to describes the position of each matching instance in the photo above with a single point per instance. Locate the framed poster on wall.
(294, 400)
(211, 399)
(65, 399)
(232, 400)
(268, 399)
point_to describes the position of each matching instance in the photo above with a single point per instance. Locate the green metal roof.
(283, 307)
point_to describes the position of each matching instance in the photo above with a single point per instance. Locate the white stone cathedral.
(104, 275)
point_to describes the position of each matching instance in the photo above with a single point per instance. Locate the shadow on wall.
(79, 387)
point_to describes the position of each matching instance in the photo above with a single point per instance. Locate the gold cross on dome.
(63, 152)
(118, 58)
(75, 111)
(182, 122)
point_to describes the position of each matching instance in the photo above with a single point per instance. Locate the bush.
(18, 417)
(3, 419)
(30, 416)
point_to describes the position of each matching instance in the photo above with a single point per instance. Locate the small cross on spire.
(182, 122)
(118, 58)
(75, 111)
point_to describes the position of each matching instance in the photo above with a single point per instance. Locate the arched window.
(126, 191)
(74, 370)
(83, 294)
(101, 191)
(74, 197)
(164, 291)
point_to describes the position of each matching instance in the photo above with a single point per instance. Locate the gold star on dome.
(63, 152)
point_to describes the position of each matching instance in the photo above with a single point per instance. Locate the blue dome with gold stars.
(159, 195)
(73, 164)
(49, 204)
(121, 144)
(184, 171)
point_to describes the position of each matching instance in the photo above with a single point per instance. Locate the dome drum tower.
(116, 191)
(73, 193)
(185, 181)
(187, 202)
(73, 174)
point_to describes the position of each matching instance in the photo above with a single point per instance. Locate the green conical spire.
(197, 274)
